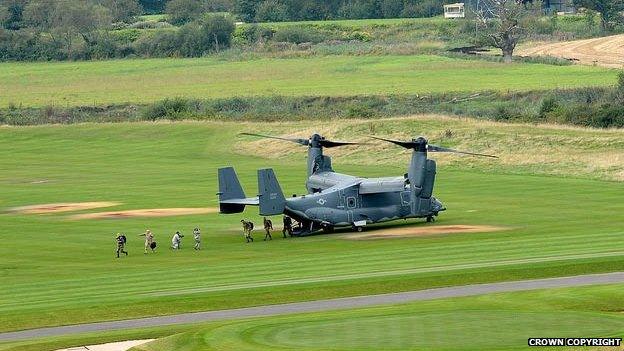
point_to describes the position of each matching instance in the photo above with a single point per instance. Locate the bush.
(251, 34)
(183, 11)
(620, 81)
(176, 108)
(194, 39)
(549, 104)
(157, 44)
(217, 32)
(297, 35)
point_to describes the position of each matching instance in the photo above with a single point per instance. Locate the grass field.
(495, 321)
(489, 322)
(142, 81)
(60, 271)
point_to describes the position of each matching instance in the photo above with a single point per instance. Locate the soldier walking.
(176, 240)
(197, 237)
(121, 244)
(149, 240)
(287, 226)
(247, 228)
(268, 226)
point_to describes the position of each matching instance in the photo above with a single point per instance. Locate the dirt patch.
(61, 207)
(604, 51)
(152, 212)
(113, 346)
(409, 231)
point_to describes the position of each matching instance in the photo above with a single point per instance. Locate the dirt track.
(61, 207)
(152, 212)
(409, 231)
(605, 51)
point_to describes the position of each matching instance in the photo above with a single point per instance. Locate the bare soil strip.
(410, 231)
(62, 207)
(111, 346)
(152, 212)
(605, 51)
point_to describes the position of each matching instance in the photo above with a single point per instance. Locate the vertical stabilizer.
(230, 189)
(271, 198)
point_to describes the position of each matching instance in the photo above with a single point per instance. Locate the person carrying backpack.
(121, 244)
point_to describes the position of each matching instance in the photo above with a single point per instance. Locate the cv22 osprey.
(340, 200)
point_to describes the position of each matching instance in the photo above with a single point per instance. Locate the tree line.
(302, 10)
(83, 29)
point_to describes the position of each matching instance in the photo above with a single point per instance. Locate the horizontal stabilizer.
(253, 201)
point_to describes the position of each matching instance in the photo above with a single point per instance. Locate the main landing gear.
(357, 228)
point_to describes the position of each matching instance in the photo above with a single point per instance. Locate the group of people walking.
(248, 227)
(176, 240)
(150, 242)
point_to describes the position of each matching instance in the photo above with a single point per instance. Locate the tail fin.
(230, 189)
(271, 198)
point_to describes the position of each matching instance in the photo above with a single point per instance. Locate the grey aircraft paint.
(338, 200)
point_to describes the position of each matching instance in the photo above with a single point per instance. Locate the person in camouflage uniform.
(247, 228)
(268, 226)
(121, 244)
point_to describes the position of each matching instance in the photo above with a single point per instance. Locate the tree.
(123, 10)
(610, 11)
(153, 6)
(37, 14)
(80, 19)
(391, 8)
(271, 11)
(4, 16)
(183, 11)
(246, 9)
(505, 25)
(218, 32)
(13, 17)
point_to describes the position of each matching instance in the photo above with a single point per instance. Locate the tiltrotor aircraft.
(338, 200)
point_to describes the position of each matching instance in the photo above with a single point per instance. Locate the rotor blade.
(435, 148)
(405, 144)
(294, 140)
(329, 143)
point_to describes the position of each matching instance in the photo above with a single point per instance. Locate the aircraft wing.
(382, 185)
(253, 201)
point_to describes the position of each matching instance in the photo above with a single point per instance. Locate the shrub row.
(590, 107)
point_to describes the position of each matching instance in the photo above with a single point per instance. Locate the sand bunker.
(410, 231)
(604, 51)
(113, 346)
(61, 207)
(152, 212)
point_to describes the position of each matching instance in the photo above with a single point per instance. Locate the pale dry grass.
(541, 149)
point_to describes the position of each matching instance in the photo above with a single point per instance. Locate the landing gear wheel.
(328, 229)
(430, 219)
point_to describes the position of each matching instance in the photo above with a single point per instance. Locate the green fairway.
(489, 322)
(56, 270)
(494, 321)
(142, 81)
